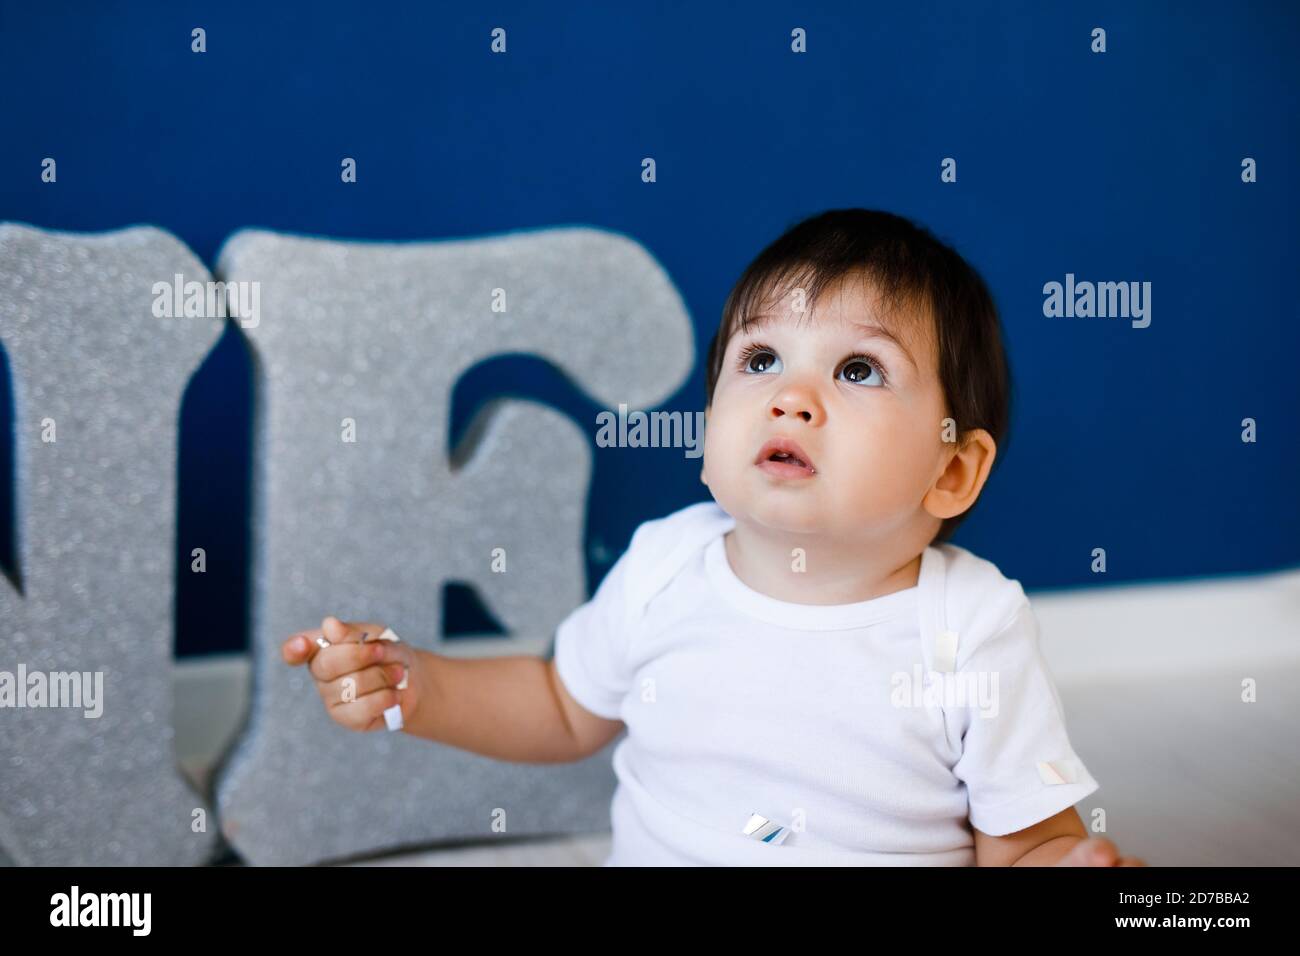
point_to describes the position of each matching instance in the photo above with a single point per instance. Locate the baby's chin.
(766, 511)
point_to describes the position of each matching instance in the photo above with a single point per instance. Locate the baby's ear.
(961, 482)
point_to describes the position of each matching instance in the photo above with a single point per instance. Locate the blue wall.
(1116, 166)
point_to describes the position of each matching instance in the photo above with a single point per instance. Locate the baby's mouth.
(792, 459)
(787, 464)
(783, 458)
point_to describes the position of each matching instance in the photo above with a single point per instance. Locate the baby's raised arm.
(510, 708)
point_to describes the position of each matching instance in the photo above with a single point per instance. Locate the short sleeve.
(591, 644)
(1016, 761)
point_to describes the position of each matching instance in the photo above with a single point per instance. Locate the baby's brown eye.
(753, 353)
(864, 371)
(860, 373)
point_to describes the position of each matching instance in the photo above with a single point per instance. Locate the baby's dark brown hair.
(909, 268)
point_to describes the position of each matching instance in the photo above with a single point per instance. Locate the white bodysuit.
(875, 733)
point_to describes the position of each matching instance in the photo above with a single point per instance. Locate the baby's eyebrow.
(871, 328)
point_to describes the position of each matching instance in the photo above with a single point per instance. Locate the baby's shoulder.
(661, 547)
(976, 599)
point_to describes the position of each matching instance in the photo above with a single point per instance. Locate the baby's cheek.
(725, 464)
(720, 447)
(719, 467)
(888, 469)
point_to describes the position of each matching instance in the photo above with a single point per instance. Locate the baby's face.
(866, 409)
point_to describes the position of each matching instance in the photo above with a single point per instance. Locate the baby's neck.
(829, 571)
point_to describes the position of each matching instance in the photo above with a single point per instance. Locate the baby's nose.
(799, 403)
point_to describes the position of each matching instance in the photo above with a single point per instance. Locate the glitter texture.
(95, 527)
(377, 334)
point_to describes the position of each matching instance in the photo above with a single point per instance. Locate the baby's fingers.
(1094, 851)
(339, 660)
(339, 632)
(353, 686)
(300, 648)
(367, 712)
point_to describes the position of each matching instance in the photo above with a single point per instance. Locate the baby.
(807, 672)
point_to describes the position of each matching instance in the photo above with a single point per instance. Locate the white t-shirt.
(817, 717)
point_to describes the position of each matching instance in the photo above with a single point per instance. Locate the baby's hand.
(357, 676)
(1097, 851)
